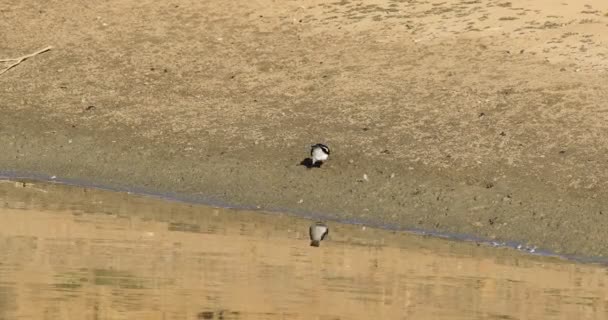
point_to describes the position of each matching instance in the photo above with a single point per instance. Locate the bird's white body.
(318, 231)
(318, 155)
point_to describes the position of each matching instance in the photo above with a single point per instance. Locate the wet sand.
(79, 253)
(485, 118)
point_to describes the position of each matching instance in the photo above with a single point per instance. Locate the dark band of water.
(203, 200)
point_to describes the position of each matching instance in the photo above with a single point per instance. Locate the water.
(78, 253)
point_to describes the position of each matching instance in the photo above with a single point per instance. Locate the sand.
(485, 118)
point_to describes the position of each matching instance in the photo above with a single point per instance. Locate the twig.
(21, 59)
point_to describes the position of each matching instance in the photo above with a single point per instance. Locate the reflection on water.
(77, 253)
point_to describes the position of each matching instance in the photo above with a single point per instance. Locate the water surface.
(80, 253)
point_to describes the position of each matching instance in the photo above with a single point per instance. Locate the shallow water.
(79, 253)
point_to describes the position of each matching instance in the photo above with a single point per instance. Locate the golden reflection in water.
(78, 253)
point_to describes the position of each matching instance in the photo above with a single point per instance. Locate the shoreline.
(185, 200)
(230, 180)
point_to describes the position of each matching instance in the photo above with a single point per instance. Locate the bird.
(319, 153)
(318, 231)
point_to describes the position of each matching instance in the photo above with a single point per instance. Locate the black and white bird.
(319, 153)
(318, 231)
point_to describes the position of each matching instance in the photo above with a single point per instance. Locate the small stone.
(392, 175)
(365, 177)
(351, 161)
(301, 200)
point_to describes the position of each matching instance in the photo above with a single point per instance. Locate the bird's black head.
(322, 147)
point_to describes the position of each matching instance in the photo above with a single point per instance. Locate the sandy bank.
(490, 116)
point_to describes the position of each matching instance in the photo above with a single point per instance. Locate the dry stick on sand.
(17, 61)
